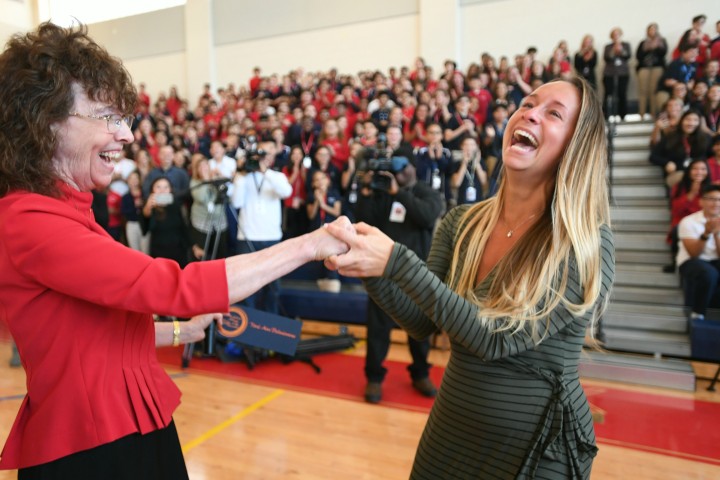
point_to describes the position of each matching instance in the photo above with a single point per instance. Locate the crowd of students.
(449, 124)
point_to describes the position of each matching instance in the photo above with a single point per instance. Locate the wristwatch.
(704, 237)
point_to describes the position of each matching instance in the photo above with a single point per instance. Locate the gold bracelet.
(176, 333)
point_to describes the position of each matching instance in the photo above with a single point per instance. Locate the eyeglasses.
(114, 122)
(712, 199)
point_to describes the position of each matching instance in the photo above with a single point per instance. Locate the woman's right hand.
(369, 253)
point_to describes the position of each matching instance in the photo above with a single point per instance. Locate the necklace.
(511, 230)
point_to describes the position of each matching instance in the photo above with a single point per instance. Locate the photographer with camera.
(392, 200)
(258, 192)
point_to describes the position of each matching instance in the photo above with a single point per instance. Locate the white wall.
(499, 27)
(349, 48)
(16, 16)
(160, 73)
(508, 28)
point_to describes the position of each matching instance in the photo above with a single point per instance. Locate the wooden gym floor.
(234, 430)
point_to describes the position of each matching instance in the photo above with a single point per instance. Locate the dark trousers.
(615, 104)
(231, 215)
(156, 455)
(700, 281)
(379, 326)
(267, 298)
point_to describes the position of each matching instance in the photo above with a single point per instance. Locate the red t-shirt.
(79, 305)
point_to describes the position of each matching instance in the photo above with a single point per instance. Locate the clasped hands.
(364, 252)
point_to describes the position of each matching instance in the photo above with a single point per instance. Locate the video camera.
(381, 160)
(253, 154)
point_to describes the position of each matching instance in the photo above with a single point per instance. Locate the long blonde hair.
(529, 281)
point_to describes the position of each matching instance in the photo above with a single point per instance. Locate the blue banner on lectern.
(261, 329)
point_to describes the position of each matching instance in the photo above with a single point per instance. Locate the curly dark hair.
(37, 73)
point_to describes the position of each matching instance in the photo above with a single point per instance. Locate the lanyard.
(258, 187)
(470, 174)
(686, 144)
(306, 146)
(714, 119)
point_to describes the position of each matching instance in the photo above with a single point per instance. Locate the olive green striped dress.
(507, 408)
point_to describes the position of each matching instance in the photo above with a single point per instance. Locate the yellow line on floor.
(219, 428)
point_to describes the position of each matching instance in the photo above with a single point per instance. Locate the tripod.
(213, 235)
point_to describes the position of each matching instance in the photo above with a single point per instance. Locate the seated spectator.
(694, 36)
(415, 131)
(306, 134)
(714, 160)
(676, 150)
(539, 74)
(333, 137)
(711, 75)
(697, 97)
(711, 110)
(684, 200)
(460, 125)
(479, 92)
(698, 257)
(681, 70)
(381, 114)
(667, 121)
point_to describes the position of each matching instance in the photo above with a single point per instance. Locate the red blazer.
(78, 305)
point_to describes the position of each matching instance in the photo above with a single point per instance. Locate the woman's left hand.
(369, 253)
(194, 329)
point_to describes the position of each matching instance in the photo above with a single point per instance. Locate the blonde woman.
(515, 281)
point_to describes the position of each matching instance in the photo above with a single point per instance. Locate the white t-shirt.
(691, 227)
(258, 196)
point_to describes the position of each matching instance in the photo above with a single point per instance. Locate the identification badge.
(470, 194)
(397, 212)
(352, 197)
(307, 162)
(436, 181)
(687, 161)
(618, 62)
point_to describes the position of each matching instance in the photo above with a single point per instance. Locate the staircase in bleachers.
(645, 321)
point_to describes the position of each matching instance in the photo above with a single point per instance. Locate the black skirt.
(155, 456)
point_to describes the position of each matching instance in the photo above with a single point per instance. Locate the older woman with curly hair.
(78, 304)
